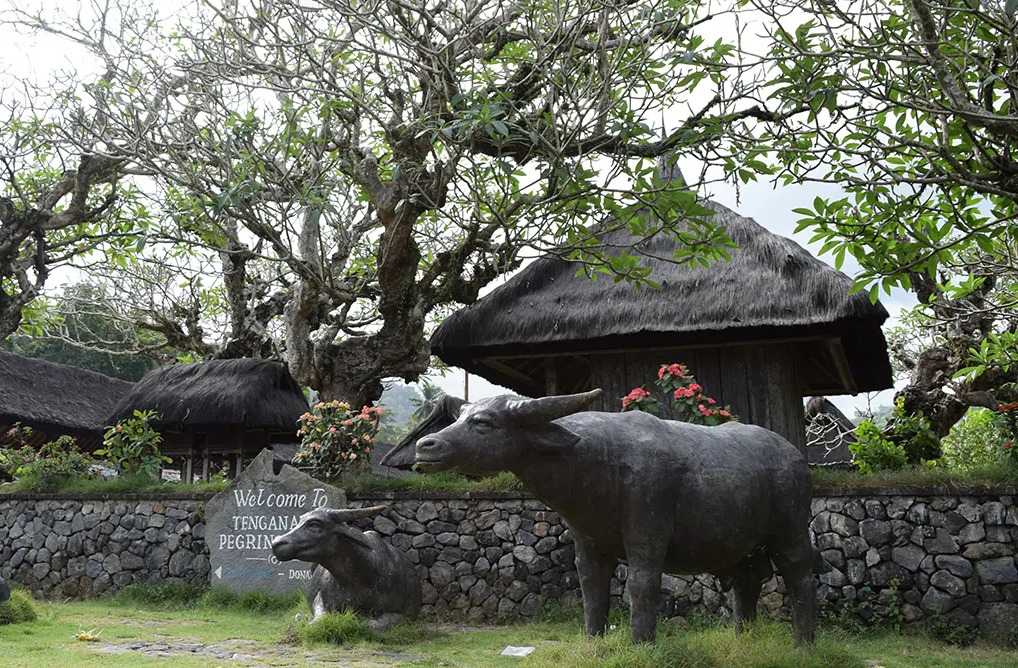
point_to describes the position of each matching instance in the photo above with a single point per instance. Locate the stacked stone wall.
(82, 548)
(485, 557)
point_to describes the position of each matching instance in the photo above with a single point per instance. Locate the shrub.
(53, 464)
(975, 441)
(1007, 419)
(914, 434)
(132, 446)
(17, 453)
(335, 439)
(688, 402)
(1007, 415)
(875, 453)
(17, 609)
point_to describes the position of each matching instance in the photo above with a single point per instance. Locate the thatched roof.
(55, 398)
(218, 394)
(773, 289)
(829, 432)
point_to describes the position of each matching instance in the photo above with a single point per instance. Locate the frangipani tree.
(912, 112)
(381, 161)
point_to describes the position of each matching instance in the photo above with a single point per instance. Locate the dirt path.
(255, 655)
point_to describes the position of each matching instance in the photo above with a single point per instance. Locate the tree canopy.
(912, 112)
(354, 168)
(320, 180)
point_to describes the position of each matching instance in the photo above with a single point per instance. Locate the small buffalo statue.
(356, 569)
(663, 496)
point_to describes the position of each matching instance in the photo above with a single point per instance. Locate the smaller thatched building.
(218, 413)
(56, 400)
(829, 433)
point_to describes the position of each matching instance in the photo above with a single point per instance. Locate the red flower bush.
(336, 439)
(1008, 415)
(641, 400)
(688, 401)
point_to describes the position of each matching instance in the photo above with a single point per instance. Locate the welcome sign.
(242, 522)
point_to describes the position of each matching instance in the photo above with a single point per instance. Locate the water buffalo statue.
(663, 496)
(356, 569)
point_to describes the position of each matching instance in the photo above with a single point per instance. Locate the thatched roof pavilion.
(774, 319)
(220, 407)
(55, 399)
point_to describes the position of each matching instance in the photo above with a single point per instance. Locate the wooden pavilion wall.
(760, 382)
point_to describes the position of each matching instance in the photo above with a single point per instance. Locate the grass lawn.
(129, 634)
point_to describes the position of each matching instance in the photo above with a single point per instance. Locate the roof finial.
(668, 169)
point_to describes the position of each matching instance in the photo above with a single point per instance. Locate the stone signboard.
(264, 501)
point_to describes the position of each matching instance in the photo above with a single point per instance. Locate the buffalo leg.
(645, 592)
(745, 594)
(595, 570)
(747, 578)
(796, 567)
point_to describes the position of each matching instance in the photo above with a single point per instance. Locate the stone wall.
(948, 554)
(482, 557)
(84, 547)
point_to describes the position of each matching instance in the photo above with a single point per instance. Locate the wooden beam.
(837, 353)
(512, 372)
(644, 349)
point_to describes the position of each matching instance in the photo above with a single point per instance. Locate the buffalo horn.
(351, 514)
(546, 409)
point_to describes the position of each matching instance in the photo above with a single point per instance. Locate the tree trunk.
(933, 372)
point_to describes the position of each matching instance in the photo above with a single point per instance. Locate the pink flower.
(683, 392)
(366, 438)
(353, 456)
(711, 401)
(672, 370)
(354, 441)
(332, 430)
(695, 387)
(120, 428)
(348, 422)
(703, 409)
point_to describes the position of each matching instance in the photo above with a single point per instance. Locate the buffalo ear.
(550, 436)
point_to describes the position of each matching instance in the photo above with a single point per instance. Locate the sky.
(22, 55)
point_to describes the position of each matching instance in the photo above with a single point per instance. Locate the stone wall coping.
(107, 496)
(820, 491)
(917, 490)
